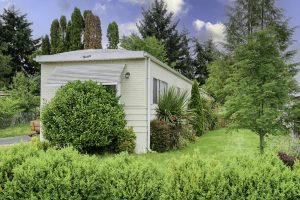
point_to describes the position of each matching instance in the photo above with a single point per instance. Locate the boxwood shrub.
(87, 116)
(31, 173)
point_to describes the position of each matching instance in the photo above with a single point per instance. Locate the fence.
(19, 118)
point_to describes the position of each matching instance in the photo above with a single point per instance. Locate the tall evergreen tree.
(46, 47)
(15, 31)
(184, 62)
(5, 69)
(62, 33)
(55, 37)
(196, 105)
(204, 55)
(113, 35)
(246, 17)
(158, 22)
(92, 31)
(260, 85)
(75, 30)
(68, 37)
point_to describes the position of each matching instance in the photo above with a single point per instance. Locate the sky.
(203, 19)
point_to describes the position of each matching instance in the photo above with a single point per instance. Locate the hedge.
(66, 174)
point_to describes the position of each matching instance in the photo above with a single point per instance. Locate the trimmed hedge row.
(30, 173)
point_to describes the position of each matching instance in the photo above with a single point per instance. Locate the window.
(158, 88)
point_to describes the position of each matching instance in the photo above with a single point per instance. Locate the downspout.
(148, 103)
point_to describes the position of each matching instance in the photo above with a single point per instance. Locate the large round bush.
(85, 115)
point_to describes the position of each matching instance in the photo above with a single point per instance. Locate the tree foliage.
(46, 46)
(92, 31)
(5, 69)
(204, 55)
(16, 33)
(196, 105)
(158, 22)
(149, 44)
(245, 17)
(75, 29)
(260, 85)
(219, 71)
(113, 35)
(55, 37)
(62, 33)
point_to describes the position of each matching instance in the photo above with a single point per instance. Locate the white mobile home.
(137, 76)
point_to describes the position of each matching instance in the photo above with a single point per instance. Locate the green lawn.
(23, 129)
(220, 144)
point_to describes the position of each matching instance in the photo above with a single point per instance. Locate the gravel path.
(14, 140)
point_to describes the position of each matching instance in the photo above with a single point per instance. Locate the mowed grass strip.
(19, 130)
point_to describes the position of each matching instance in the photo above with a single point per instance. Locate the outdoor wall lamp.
(127, 75)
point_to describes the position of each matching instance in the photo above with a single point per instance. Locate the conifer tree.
(196, 105)
(113, 35)
(75, 30)
(158, 22)
(62, 33)
(46, 47)
(92, 31)
(5, 69)
(55, 37)
(16, 33)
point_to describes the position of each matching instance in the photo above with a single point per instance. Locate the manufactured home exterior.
(137, 76)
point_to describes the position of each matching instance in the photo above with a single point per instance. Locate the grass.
(220, 144)
(22, 129)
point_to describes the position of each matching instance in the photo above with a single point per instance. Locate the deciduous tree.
(261, 84)
(149, 44)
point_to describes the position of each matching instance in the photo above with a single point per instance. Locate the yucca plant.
(172, 106)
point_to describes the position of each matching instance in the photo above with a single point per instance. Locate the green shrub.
(125, 141)
(126, 177)
(84, 115)
(13, 157)
(8, 108)
(55, 174)
(247, 177)
(196, 104)
(165, 137)
(161, 136)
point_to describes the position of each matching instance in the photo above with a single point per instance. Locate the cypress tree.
(76, 30)
(92, 31)
(55, 37)
(113, 35)
(46, 47)
(196, 105)
(62, 33)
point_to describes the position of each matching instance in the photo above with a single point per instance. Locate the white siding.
(133, 92)
(170, 78)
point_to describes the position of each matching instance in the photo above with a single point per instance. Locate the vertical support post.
(148, 103)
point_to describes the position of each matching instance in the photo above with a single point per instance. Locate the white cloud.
(175, 6)
(198, 24)
(128, 28)
(208, 30)
(100, 8)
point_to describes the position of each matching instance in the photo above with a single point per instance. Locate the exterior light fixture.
(127, 75)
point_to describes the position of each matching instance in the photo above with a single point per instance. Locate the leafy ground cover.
(23, 129)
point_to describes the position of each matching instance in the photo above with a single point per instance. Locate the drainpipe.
(148, 104)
